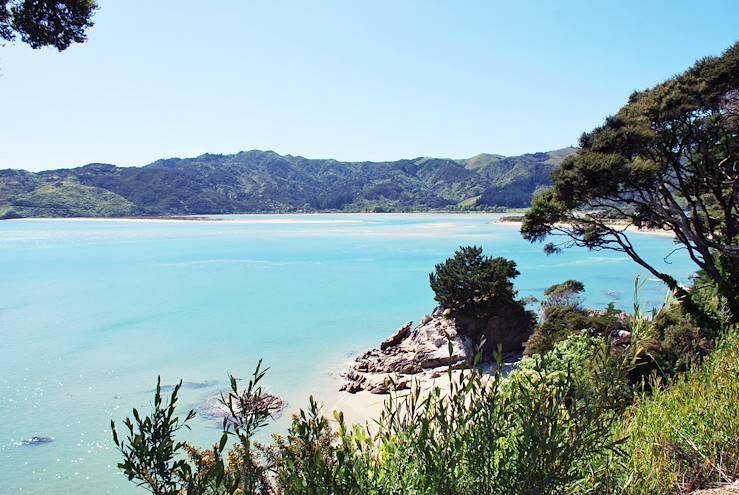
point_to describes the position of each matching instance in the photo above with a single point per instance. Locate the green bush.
(478, 292)
(567, 293)
(561, 322)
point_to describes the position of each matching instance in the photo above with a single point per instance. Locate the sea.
(92, 312)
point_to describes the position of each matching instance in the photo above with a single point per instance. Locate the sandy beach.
(364, 407)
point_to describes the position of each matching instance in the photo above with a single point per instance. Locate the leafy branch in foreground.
(149, 449)
(44, 23)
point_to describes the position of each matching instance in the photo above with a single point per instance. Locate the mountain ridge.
(258, 181)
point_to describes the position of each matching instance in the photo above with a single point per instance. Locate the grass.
(686, 436)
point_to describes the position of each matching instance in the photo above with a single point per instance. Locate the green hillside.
(264, 181)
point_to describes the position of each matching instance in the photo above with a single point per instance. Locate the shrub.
(561, 322)
(565, 294)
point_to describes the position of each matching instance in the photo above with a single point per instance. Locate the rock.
(397, 337)
(614, 294)
(409, 352)
(34, 441)
(620, 340)
(186, 385)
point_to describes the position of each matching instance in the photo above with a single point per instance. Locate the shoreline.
(364, 407)
(254, 218)
(629, 228)
(269, 219)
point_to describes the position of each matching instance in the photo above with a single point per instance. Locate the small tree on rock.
(478, 291)
(472, 285)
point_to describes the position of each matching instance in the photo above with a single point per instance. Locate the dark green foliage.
(668, 159)
(257, 181)
(669, 344)
(561, 322)
(478, 292)
(473, 285)
(57, 23)
(562, 316)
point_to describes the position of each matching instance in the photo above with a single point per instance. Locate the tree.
(57, 23)
(668, 159)
(567, 293)
(472, 285)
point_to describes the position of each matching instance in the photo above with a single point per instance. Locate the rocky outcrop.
(425, 350)
(397, 337)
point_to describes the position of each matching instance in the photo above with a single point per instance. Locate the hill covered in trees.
(264, 181)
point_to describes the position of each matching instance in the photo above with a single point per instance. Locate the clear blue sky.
(371, 80)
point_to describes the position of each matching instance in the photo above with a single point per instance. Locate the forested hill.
(264, 181)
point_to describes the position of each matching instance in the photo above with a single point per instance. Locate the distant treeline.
(266, 182)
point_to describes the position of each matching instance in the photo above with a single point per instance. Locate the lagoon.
(92, 311)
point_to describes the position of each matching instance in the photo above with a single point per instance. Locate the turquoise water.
(92, 311)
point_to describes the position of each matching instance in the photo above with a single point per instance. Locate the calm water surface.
(92, 311)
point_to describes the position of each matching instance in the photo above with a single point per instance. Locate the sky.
(345, 79)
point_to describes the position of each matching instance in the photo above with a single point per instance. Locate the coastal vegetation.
(570, 420)
(265, 182)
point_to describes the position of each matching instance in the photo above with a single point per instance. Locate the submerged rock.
(186, 385)
(33, 441)
(213, 407)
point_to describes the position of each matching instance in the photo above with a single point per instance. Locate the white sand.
(630, 228)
